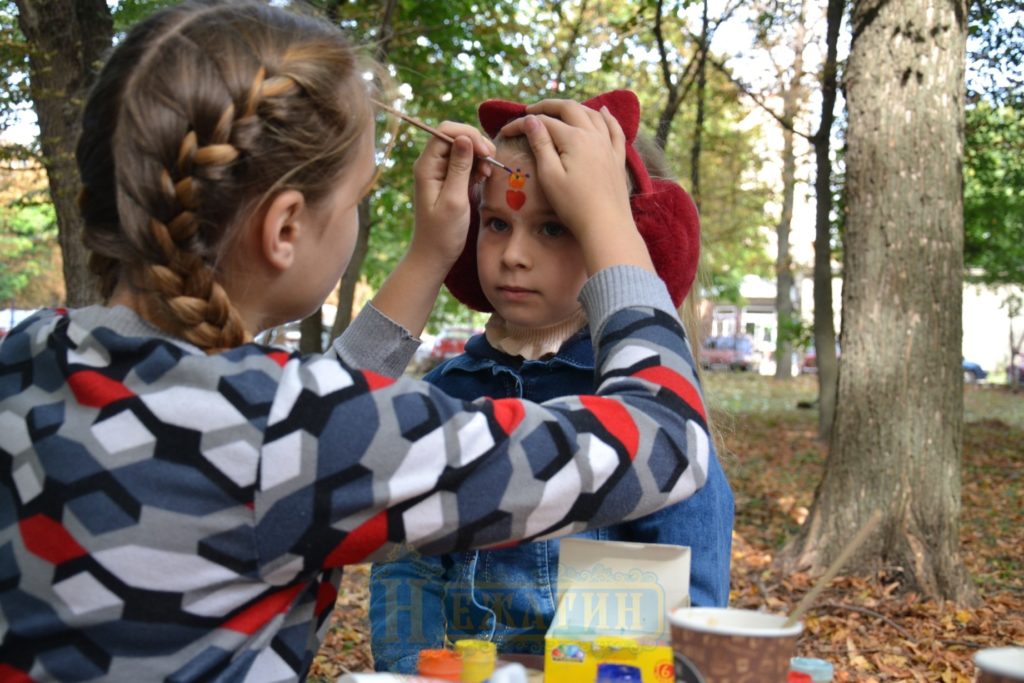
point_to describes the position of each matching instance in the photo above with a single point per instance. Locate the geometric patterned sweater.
(171, 515)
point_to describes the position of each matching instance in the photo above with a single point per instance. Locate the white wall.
(985, 322)
(987, 327)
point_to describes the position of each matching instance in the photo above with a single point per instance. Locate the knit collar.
(532, 343)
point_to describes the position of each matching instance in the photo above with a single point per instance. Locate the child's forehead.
(513, 157)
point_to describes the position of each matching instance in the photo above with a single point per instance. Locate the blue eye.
(553, 229)
(496, 224)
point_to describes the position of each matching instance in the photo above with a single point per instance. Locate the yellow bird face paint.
(514, 196)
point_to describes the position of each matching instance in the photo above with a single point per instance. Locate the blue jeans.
(508, 595)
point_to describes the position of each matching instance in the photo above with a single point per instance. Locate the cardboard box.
(613, 604)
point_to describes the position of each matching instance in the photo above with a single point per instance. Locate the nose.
(516, 253)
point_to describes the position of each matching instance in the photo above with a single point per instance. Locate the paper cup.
(724, 645)
(1000, 664)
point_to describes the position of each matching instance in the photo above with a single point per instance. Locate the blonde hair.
(200, 115)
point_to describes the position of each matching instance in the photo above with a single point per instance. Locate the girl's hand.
(443, 175)
(581, 164)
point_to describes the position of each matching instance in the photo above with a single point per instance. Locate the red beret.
(664, 213)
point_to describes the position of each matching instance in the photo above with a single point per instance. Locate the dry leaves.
(870, 628)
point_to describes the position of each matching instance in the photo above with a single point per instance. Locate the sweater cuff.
(619, 287)
(375, 342)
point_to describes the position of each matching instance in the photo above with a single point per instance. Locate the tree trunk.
(311, 332)
(67, 40)
(698, 124)
(1014, 307)
(824, 327)
(347, 287)
(791, 99)
(897, 441)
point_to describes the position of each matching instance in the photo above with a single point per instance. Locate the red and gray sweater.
(167, 514)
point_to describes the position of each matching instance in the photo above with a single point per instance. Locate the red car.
(451, 342)
(733, 352)
(810, 362)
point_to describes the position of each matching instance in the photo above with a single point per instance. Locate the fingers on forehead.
(569, 111)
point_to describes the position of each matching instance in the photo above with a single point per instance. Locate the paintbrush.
(435, 132)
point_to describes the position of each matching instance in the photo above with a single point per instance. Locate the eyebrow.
(549, 214)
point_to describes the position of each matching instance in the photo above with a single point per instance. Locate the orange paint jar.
(443, 664)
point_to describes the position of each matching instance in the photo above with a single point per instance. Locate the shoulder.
(478, 355)
(577, 351)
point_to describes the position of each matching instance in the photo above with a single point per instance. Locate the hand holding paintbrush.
(435, 132)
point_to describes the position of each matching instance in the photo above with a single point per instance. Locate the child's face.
(530, 266)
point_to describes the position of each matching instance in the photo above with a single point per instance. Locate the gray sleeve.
(375, 342)
(619, 287)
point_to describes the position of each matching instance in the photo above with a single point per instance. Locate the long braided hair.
(202, 114)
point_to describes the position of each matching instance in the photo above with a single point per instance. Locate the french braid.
(221, 107)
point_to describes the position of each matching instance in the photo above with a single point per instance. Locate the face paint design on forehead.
(514, 196)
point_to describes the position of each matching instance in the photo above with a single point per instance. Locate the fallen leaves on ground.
(870, 628)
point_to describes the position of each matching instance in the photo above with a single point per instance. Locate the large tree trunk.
(67, 39)
(824, 327)
(791, 99)
(897, 441)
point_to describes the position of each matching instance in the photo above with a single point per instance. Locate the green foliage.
(14, 96)
(799, 333)
(994, 194)
(447, 57)
(994, 146)
(996, 51)
(28, 231)
(127, 13)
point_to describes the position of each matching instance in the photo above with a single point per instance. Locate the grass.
(735, 393)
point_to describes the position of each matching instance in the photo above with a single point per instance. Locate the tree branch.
(746, 90)
(574, 36)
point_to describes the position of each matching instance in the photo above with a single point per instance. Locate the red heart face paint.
(514, 197)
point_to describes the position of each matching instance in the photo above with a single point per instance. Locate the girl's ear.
(494, 114)
(281, 228)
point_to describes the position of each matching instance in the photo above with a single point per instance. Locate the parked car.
(450, 342)
(289, 335)
(809, 364)
(421, 361)
(973, 372)
(733, 352)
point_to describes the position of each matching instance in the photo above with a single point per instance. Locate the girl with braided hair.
(177, 502)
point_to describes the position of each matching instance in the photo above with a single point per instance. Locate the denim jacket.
(509, 594)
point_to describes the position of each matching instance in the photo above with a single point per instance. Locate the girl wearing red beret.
(523, 265)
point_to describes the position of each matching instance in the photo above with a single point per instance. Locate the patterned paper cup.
(1000, 664)
(724, 645)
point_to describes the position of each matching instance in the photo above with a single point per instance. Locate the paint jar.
(443, 664)
(819, 670)
(478, 659)
(617, 673)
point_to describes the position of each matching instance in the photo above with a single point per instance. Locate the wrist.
(614, 244)
(429, 266)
